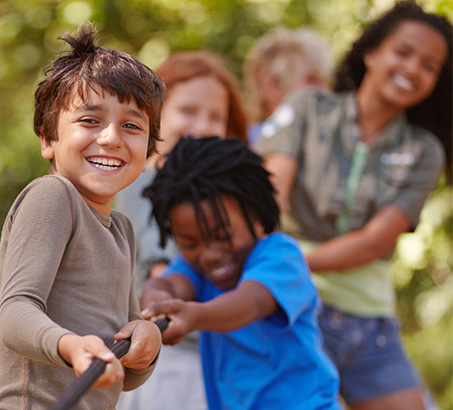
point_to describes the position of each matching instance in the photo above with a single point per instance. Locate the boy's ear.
(46, 148)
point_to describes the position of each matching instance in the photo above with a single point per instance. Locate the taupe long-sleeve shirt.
(64, 268)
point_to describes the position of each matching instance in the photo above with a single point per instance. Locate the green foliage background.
(150, 30)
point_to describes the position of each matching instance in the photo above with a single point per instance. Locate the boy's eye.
(88, 120)
(185, 243)
(132, 126)
(187, 246)
(222, 238)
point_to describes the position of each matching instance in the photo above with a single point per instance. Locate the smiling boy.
(101, 147)
(66, 259)
(238, 280)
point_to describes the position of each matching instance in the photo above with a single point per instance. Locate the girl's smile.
(403, 70)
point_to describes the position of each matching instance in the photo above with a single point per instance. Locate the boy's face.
(101, 146)
(221, 261)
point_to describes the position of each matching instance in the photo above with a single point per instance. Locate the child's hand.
(151, 296)
(79, 351)
(183, 318)
(145, 343)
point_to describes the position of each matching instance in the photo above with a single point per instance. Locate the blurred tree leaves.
(150, 30)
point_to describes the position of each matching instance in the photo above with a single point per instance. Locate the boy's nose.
(110, 136)
(210, 256)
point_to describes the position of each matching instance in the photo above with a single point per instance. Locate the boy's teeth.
(105, 163)
(105, 167)
(219, 271)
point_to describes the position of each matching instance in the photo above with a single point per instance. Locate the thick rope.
(77, 389)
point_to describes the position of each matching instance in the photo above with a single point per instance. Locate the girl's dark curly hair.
(204, 169)
(435, 112)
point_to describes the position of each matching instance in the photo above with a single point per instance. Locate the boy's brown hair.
(86, 66)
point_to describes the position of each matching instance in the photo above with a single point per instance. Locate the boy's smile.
(101, 146)
(221, 260)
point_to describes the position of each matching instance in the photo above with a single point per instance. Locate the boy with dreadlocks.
(97, 115)
(244, 285)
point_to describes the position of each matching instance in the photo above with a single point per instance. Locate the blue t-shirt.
(277, 362)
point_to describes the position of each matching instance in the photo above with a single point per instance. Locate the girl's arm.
(283, 169)
(376, 239)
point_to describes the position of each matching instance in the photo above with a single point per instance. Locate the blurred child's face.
(273, 93)
(101, 146)
(404, 69)
(221, 261)
(198, 107)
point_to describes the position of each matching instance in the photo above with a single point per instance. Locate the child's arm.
(80, 351)
(357, 248)
(145, 343)
(138, 362)
(249, 302)
(141, 359)
(172, 286)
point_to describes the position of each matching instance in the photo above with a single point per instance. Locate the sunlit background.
(152, 29)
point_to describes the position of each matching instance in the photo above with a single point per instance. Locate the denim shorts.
(369, 355)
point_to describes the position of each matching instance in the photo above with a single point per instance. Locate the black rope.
(77, 389)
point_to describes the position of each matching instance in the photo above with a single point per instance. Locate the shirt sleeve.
(283, 131)
(39, 226)
(178, 265)
(133, 378)
(278, 264)
(137, 208)
(421, 178)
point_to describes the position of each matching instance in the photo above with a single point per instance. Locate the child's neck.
(375, 113)
(151, 162)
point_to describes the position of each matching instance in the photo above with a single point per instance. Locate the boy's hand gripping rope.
(77, 389)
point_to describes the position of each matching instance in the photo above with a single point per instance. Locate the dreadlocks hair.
(434, 113)
(204, 169)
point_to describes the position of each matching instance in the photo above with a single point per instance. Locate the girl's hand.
(145, 343)
(80, 351)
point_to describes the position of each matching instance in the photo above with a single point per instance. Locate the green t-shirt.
(400, 167)
(365, 291)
